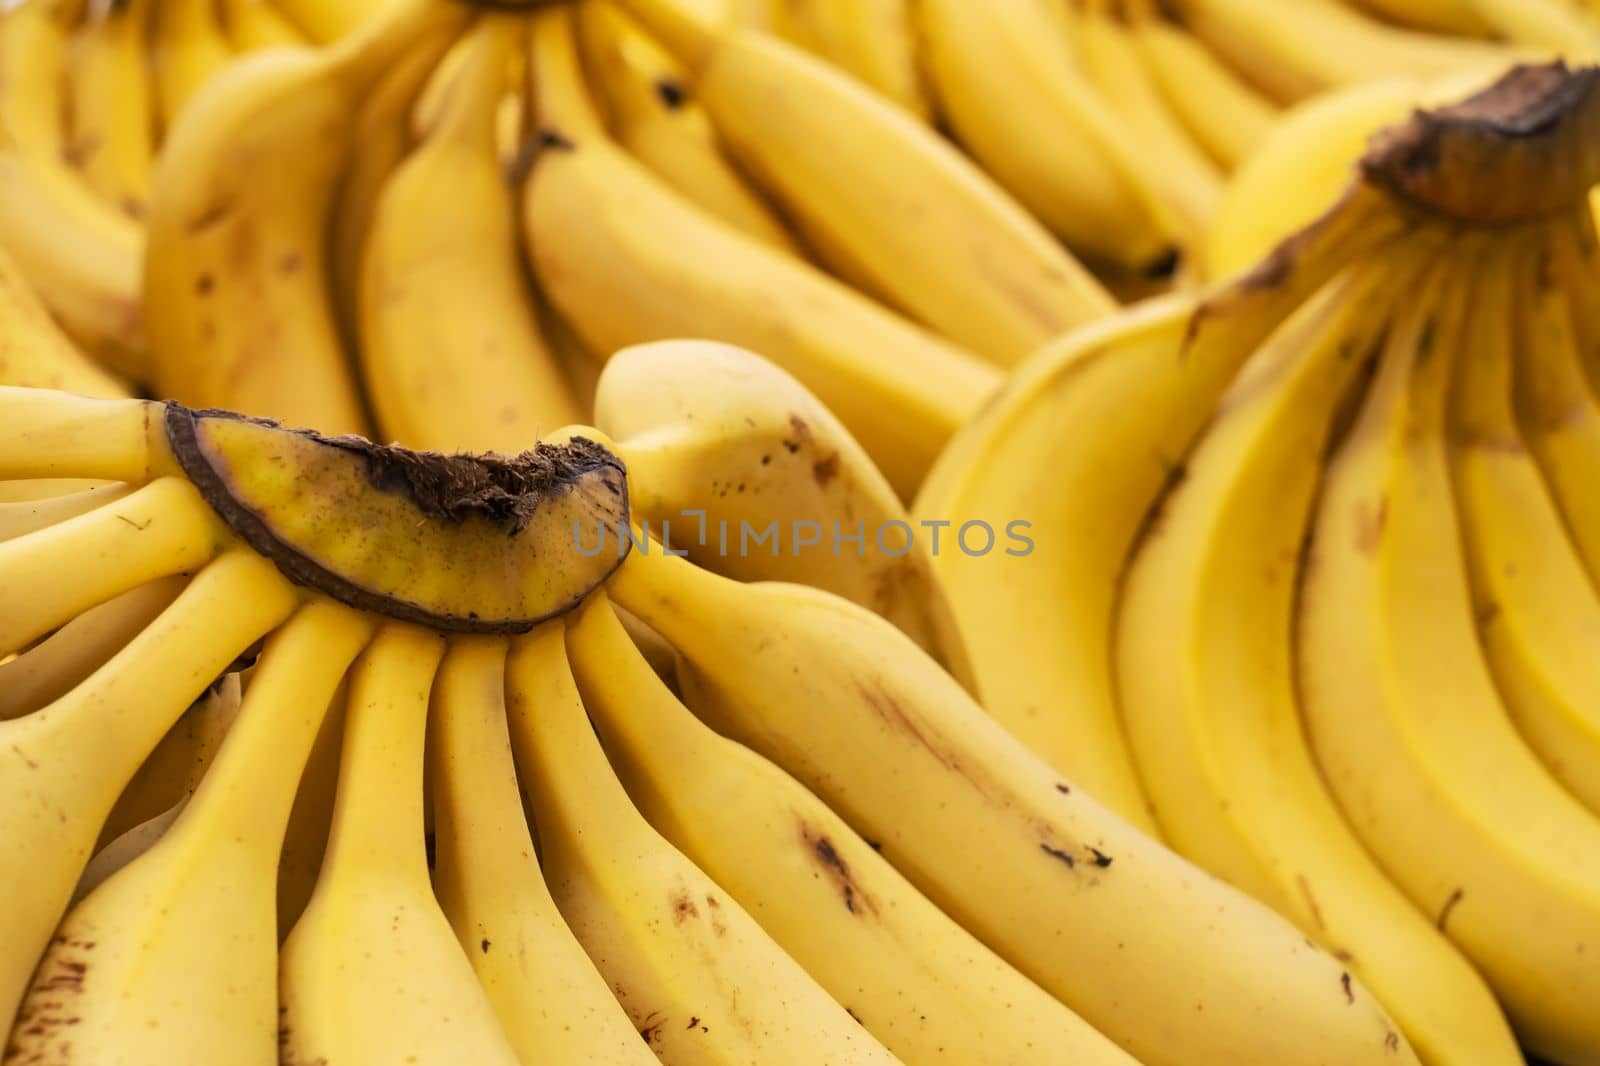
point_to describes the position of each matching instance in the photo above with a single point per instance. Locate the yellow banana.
(1206, 687)
(1228, 117)
(175, 957)
(1537, 609)
(606, 240)
(1404, 715)
(554, 1006)
(21, 517)
(256, 24)
(237, 304)
(655, 117)
(1070, 894)
(723, 447)
(112, 106)
(1041, 516)
(875, 40)
(1015, 97)
(372, 971)
(33, 350)
(61, 768)
(188, 46)
(905, 969)
(452, 355)
(921, 221)
(701, 980)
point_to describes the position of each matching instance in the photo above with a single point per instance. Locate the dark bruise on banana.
(458, 543)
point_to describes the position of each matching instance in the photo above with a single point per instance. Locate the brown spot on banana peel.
(1370, 520)
(821, 848)
(388, 514)
(48, 1012)
(1345, 984)
(1517, 151)
(1449, 905)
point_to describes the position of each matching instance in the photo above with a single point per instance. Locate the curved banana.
(33, 350)
(1084, 904)
(1227, 116)
(137, 971)
(237, 304)
(875, 40)
(1014, 96)
(188, 46)
(723, 447)
(256, 24)
(1537, 609)
(372, 971)
(1204, 651)
(655, 117)
(905, 969)
(701, 980)
(81, 254)
(1041, 516)
(606, 239)
(1404, 715)
(112, 106)
(62, 768)
(451, 352)
(925, 224)
(553, 1004)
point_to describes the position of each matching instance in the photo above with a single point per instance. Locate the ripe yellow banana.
(372, 971)
(256, 24)
(21, 517)
(875, 40)
(702, 982)
(81, 254)
(1206, 684)
(725, 448)
(905, 969)
(1014, 96)
(188, 46)
(324, 21)
(1088, 907)
(33, 350)
(1537, 609)
(552, 1002)
(174, 958)
(62, 768)
(1037, 622)
(1228, 117)
(1404, 716)
(655, 117)
(111, 105)
(236, 296)
(925, 224)
(451, 352)
(607, 241)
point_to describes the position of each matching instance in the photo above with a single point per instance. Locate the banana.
(1403, 714)
(81, 254)
(1048, 527)
(905, 969)
(1204, 653)
(188, 46)
(256, 24)
(607, 242)
(722, 446)
(61, 768)
(1014, 96)
(372, 971)
(236, 299)
(137, 971)
(550, 999)
(325, 21)
(112, 107)
(925, 224)
(1175, 170)
(875, 40)
(1228, 117)
(33, 350)
(1537, 609)
(21, 517)
(702, 982)
(451, 352)
(1078, 900)
(655, 118)
(1292, 52)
